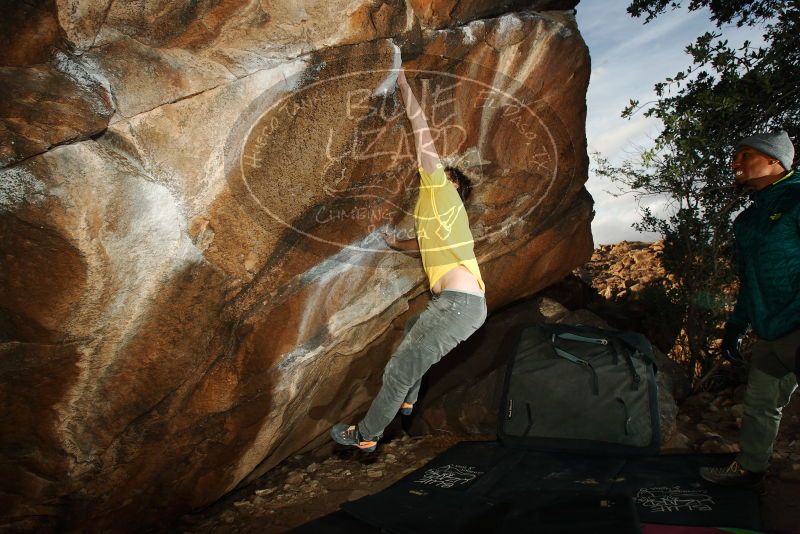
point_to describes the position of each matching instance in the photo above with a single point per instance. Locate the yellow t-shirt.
(445, 240)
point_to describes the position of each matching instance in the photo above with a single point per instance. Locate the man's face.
(750, 164)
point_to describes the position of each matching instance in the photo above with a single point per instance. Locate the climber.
(458, 305)
(767, 252)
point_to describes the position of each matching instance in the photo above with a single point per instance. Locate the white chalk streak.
(390, 81)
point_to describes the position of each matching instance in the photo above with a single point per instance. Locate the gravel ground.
(315, 484)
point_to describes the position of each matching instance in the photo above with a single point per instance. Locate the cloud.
(612, 141)
(598, 73)
(662, 31)
(615, 213)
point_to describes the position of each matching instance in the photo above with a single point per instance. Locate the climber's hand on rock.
(390, 238)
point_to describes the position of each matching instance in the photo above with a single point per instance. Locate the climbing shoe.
(406, 408)
(732, 474)
(349, 435)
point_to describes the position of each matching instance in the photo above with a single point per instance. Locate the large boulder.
(193, 285)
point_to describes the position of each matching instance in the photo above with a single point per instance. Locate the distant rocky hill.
(626, 285)
(625, 269)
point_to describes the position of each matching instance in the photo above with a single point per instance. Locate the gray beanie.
(773, 144)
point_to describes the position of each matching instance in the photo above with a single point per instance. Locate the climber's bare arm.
(427, 157)
(408, 246)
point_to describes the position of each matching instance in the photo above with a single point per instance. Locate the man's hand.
(732, 345)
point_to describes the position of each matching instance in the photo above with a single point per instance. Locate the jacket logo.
(775, 216)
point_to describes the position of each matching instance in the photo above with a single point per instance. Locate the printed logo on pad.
(449, 476)
(674, 499)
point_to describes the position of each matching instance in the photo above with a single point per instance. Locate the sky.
(628, 59)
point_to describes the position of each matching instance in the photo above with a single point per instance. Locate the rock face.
(440, 13)
(193, 284)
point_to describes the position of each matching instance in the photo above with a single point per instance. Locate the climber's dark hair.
(464, 183)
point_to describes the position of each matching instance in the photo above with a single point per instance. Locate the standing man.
(458, 307)
(768, 258)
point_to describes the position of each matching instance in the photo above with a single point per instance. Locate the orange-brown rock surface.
(193, 284)
(440, 13)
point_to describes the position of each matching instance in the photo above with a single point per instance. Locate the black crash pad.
(486, 487)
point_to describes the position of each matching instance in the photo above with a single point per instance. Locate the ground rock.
(295, 478)
(710, 446)
(191, 295)
(790, 472)
(718, 445)
(551, 310)
(678, 442)
(582, 317)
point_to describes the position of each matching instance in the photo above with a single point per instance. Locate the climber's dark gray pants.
(450, 318)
